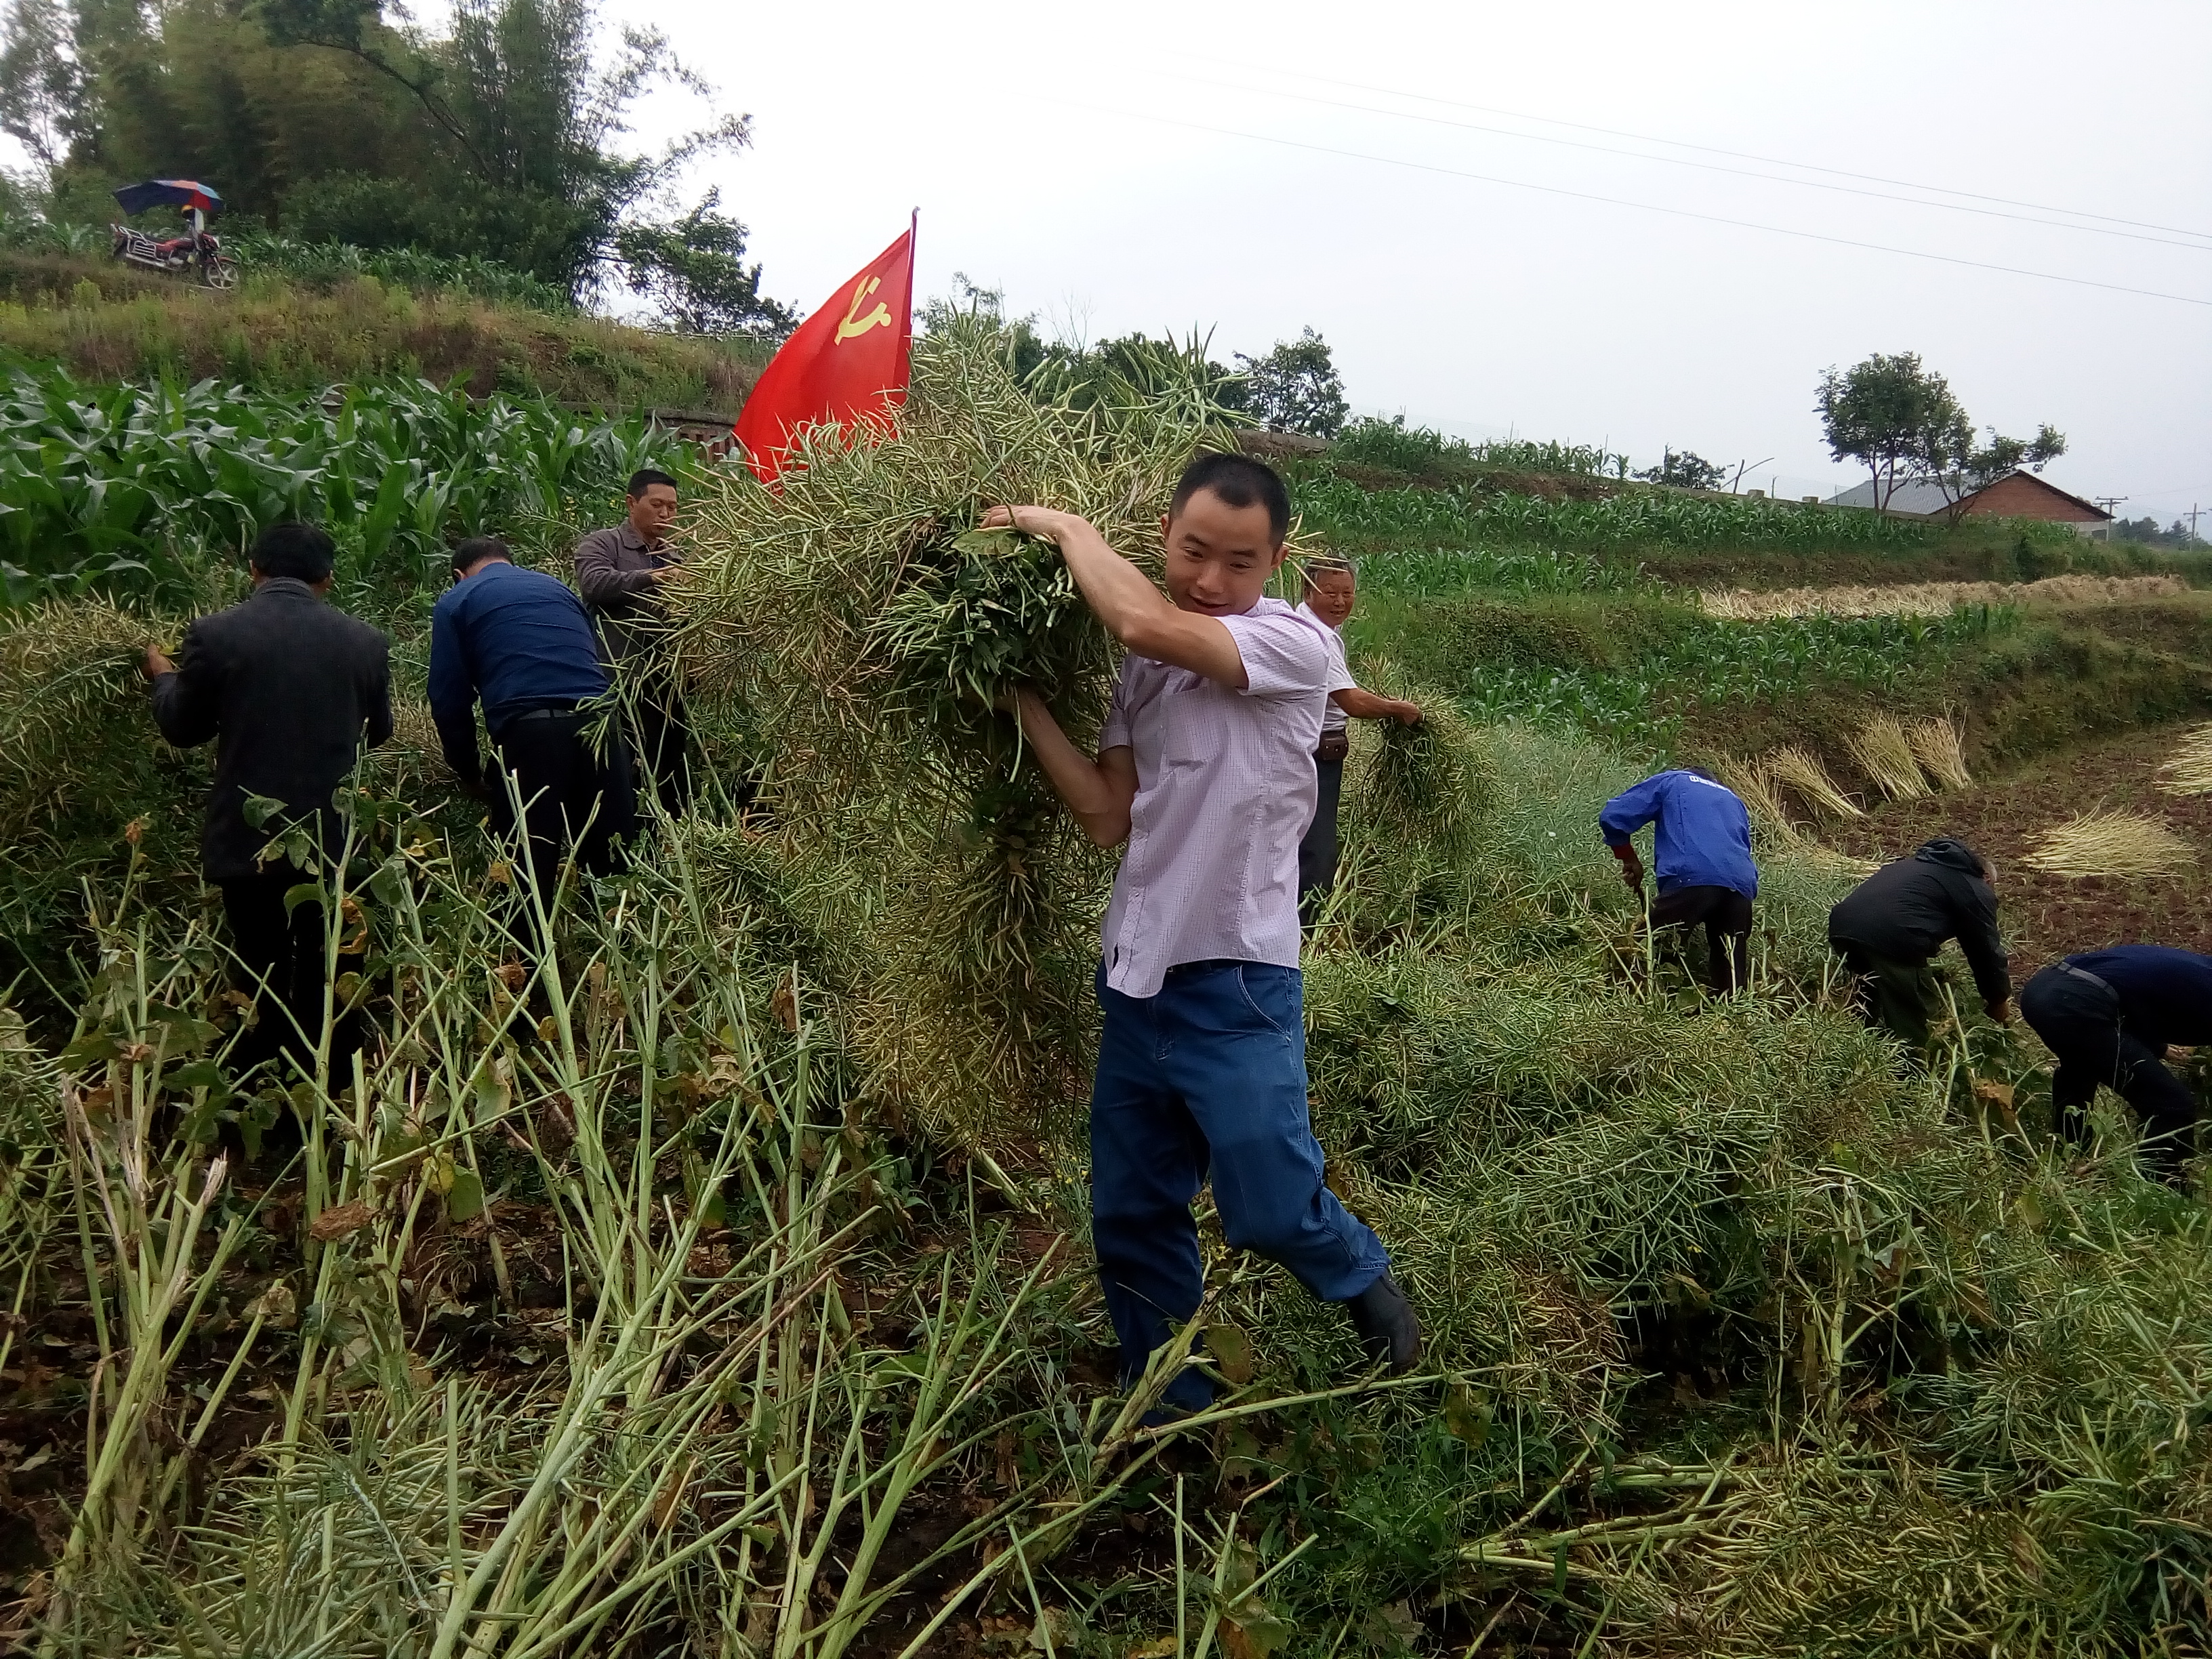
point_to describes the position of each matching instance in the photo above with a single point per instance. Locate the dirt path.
(2048, 916)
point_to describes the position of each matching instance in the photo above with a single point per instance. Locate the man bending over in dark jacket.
(2109, 1016)
(1889, 927)
(291, 689)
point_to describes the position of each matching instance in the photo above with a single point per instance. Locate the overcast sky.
(1251, 170)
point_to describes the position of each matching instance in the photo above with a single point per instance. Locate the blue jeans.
(1209, 1075)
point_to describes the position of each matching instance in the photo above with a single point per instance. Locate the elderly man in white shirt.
(1331, 590)
(1206, 769)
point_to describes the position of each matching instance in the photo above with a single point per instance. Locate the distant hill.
(105, 321)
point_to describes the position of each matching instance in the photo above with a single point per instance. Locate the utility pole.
(2192, 523)
(2108, 503)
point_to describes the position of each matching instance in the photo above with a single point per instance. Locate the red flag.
(847, 363)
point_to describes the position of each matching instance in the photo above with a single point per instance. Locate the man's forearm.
(1081, 783)
(1120, 595)
(1367, 705)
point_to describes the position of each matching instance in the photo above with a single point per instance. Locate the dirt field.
(2047, 916)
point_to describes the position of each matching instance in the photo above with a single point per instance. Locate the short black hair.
(304, 552)
(477, 548)
(644, 479)
(1240, 481)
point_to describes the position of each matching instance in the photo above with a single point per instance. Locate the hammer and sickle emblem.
(854, 323)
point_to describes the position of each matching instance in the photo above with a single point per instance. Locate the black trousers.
(2083, 1024)
(1726, 915)
(1317, 850)
(660, 735)
(279, 962)
(572, 794)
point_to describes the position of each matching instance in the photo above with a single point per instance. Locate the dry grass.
(1937, 745)
(2105, 843)
(1755, 788)
(1931, 599)
(1802, 770)
(2189, 771)
(1885, 754)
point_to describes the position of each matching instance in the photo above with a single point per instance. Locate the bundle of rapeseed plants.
(870, 626)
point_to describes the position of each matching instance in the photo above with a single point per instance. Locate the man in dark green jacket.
(1889, 927)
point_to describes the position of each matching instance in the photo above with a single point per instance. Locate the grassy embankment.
(107, 321)
(1587, 610)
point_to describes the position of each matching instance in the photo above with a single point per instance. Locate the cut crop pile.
(868, 624)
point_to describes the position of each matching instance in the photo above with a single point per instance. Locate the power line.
(1705, 167)
(1740, 155)
(1647, 207)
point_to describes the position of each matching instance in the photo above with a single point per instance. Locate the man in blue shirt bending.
(2109, 1015)
(522, 642)
(1702, 851)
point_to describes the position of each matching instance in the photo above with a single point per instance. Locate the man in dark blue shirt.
(520, 642)
(1702, 848)
(2109, 1016)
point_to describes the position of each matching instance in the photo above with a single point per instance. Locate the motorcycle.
(200, 250)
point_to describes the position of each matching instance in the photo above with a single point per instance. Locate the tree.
(1889, 415)
(41, 84)
(1296, 388)
(1684, 469)
(1900, 421)
(338, 120)
(693, 272)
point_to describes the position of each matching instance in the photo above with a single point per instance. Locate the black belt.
(2083, 973)
(544, 711)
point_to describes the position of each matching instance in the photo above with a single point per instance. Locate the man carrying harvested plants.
(1702, 848)
(2110, 1015)
(520, 640)
(1206, 770)
(1331, 590)
(291, 689)
(621, 571)
(1889, 927)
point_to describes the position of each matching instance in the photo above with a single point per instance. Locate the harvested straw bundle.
(2189, 771)
(74, 731)
(1885, 754)
(2107, 843)
(1756, 790)
(1416, 801)
(868, 625)
(1803, 772)
(1937, 746)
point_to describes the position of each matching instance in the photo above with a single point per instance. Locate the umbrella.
(169, 192)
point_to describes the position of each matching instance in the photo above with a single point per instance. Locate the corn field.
(138, 491)
(1340, 511)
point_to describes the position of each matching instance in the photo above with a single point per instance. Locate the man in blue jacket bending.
(1702, 851)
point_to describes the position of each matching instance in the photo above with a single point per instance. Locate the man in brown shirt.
(621, 570)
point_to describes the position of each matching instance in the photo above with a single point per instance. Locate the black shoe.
(1388, 1330)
